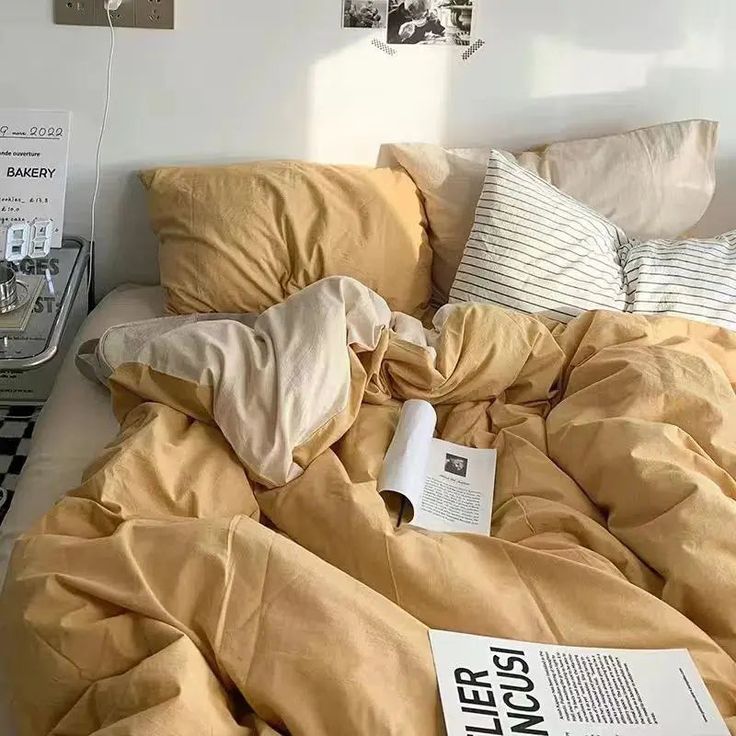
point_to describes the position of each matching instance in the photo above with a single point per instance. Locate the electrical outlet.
(74, 12)
(123, 17)
(154, 14)
(131, 14)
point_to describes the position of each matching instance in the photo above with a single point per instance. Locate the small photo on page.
(456, 465)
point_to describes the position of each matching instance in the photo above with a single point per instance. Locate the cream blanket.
(227, 566)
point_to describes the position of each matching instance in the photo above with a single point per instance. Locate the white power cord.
(110, 5)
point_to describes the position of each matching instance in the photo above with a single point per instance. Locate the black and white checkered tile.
(16, 428)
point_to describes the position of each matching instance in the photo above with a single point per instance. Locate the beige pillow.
(243, 238)
(653, 183)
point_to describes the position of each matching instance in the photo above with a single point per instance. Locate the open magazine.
(441, 486)
(497, 686)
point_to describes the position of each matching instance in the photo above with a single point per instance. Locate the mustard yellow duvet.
(227, 566)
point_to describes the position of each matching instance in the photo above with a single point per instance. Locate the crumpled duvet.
(227, 566)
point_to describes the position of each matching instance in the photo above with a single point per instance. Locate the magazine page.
(457, 493)
(497, 686)
(405, 464)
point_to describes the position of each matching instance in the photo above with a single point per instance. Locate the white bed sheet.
(75, 425)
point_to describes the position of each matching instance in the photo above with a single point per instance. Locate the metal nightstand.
(29, 360)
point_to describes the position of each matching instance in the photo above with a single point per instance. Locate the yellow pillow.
(243, 238)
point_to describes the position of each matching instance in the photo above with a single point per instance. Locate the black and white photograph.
(430, 22)
(456, 465)
(364, 13)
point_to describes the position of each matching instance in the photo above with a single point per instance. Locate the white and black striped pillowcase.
(537, 250)
(695, 279)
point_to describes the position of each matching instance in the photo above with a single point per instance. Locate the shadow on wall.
(569, 69)
(720, 217)
(229, 86)
(579, 69)
(247, 82)
(548, 71)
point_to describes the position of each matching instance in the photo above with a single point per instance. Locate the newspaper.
(498, 687)
(446, 487)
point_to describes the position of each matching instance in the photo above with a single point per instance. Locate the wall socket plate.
(131, 14)
(154, 14)
(74, 12)
(123, 17)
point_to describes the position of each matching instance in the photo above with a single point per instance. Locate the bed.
(59, 456)
(226, 565)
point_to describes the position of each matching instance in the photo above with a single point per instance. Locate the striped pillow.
(695, 279)
(537, 250)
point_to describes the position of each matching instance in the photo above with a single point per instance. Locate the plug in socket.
(131, 13)
(74, 12)
(123, 17)
(154, 14)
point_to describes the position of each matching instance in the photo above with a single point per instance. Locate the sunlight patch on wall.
(360, 97)
(698, 52)
(563, 69)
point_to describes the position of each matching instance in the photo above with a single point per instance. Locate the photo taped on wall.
(364, 13)
(430, 22)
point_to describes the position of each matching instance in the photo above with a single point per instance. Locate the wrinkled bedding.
(227, 566)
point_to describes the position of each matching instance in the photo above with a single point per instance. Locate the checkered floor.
(16, 428)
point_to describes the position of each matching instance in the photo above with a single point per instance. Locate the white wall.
(241, 79)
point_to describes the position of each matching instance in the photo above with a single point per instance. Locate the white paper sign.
(496, 687)
(34, 151)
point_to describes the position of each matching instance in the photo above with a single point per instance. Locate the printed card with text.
(34, 154)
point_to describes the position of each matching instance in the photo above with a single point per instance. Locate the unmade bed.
(226, 565)
(77, 422)
(227, 561)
